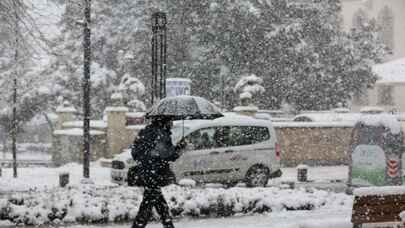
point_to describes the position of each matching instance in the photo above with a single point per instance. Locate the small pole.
(15, 84)
(63, 179)
(302, 173)
(86, 88)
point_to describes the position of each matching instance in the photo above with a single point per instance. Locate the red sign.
(393, 167)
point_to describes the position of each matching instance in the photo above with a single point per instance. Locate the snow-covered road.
(290, 219)
(45, 178)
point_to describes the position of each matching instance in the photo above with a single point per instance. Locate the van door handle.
(214, 153)
(229, 151)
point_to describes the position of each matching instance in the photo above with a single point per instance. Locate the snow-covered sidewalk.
(40, 178)
(291, 219)
(107, 202)
(302, 219)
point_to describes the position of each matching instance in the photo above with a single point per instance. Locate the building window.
(384, 95)
(360, 18)
(386, 24)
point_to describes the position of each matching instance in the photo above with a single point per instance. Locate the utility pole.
(86, 88)
(159, 56)
(15, 84)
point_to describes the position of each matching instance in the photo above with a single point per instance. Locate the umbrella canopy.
(184, 107)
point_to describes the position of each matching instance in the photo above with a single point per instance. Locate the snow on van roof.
(228, 119)
(240, 119)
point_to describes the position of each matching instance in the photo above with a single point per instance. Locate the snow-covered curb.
(380, 191)
(92, 204)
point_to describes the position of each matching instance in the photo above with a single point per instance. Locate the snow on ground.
(186, 201)
(28, 151)
(27, 155)
(89, 203)
(41, 177)
(318, 173)
(291, 219)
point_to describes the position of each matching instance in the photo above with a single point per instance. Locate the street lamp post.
(159, 53)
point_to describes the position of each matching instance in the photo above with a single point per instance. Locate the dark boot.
(163, 209)
(145, 210)
(138, 225)
(168, 224)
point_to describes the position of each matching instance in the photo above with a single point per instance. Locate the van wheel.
(257, 176)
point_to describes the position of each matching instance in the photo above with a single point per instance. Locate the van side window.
(202, 139)
(222, 137)
(246, 135)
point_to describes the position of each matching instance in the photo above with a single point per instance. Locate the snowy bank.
(94, 204)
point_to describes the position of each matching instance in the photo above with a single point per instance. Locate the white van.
(225, 150)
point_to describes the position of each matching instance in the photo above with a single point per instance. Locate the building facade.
(389, 16)
(389, 90)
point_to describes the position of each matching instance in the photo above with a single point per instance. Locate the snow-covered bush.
(94, 204)
(249, 86)
(132, 90)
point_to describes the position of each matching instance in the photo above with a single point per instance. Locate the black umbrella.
(184, 108)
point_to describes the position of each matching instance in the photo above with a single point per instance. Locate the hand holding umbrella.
(184, 108)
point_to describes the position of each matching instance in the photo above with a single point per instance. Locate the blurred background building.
(389, 16)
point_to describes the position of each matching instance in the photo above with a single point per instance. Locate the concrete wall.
(310, 143)
(314, 145)
(69, 148)
(372, 9)
(116, 130)
(67, 142)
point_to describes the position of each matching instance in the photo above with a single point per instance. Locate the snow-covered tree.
(298, 47)
(324, 65)
(21, 42)
(249, 86)
(132, 89)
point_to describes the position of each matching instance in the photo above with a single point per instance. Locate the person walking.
(153, 149)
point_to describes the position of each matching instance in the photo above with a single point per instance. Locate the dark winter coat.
(154, 171)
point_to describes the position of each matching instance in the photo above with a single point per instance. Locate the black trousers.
(153, 198)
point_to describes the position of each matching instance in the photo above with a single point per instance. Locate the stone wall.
(314, 143)
(116, 130)
(108, 138)
(309, 143)
(69, 148)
